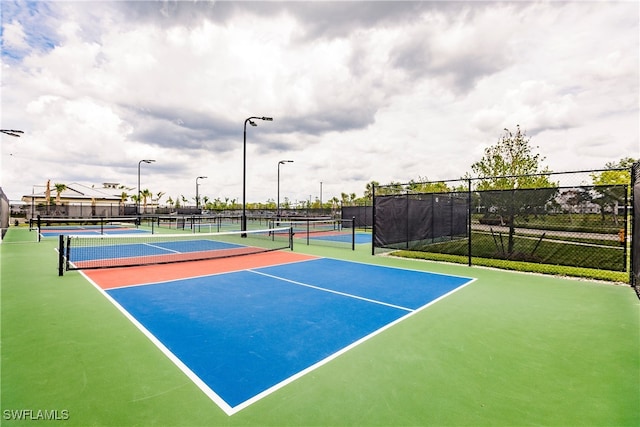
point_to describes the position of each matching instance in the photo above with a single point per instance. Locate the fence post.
(406, 222)
(470, 210)
(634, 271)
(353, 233)
(373, 220)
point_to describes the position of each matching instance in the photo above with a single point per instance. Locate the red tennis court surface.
(119, 277)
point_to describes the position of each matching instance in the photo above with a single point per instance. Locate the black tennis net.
(48, 227)
(79, 252)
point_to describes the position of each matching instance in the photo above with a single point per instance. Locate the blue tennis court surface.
(244, 334)
(344, 238)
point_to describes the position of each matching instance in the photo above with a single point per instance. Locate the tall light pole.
(281, 162)
(12, 132)
(320, 196)
(243, 225)
(197, 196)
(138, 204)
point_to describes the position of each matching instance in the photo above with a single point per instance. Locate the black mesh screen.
(635, 236)
(362, 214)
(410, 221)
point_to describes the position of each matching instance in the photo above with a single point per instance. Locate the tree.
(512, 181)
(423, 185)
(368, 192)
(612, 185)
(159, 196)
(389, 189)
(59, 189)
(145, 194)
(123, 198)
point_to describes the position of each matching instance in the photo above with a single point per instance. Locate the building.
(80, 201)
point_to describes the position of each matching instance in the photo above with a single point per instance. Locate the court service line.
(331, 291)
(203, 386)
(162, 248)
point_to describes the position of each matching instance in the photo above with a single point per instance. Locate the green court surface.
(509, 349)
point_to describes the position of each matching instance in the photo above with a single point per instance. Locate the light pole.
(243, 225)
(12, 132)
(138, 204)
(197, 196)
(281, 162)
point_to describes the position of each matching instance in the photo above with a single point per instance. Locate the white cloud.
(359, 91)
(13, 36)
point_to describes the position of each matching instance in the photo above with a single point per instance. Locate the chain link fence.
(5, 212)
(572, 219)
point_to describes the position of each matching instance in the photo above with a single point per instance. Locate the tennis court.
(243, 329)
(243, 333)
(312, 336)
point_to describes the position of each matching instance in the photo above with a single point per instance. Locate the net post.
(38, 228)
(291, 237)
(68, 253)
(61, 255)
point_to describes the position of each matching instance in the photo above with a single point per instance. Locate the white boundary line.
(222, 404)
(184, 368)
(340, 352)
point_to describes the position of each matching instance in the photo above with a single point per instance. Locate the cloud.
(459, 49)
(359, 91)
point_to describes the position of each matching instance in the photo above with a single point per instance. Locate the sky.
(358, 91)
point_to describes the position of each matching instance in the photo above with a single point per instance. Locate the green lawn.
(529, 249)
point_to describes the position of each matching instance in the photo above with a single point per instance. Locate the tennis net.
(324, 232)
(310, 226)
(79, 252)
(48, 227)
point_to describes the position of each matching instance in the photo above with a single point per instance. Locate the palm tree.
(159, 196)
(59, 189)
(123, 198)
(145, 194)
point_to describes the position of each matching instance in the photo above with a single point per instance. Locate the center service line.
(331, 291)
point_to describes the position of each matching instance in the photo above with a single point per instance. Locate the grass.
(587, 223)
(530, 254)
(522, 266)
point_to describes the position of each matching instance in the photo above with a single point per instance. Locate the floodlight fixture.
(243, 225)
(12, 132)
